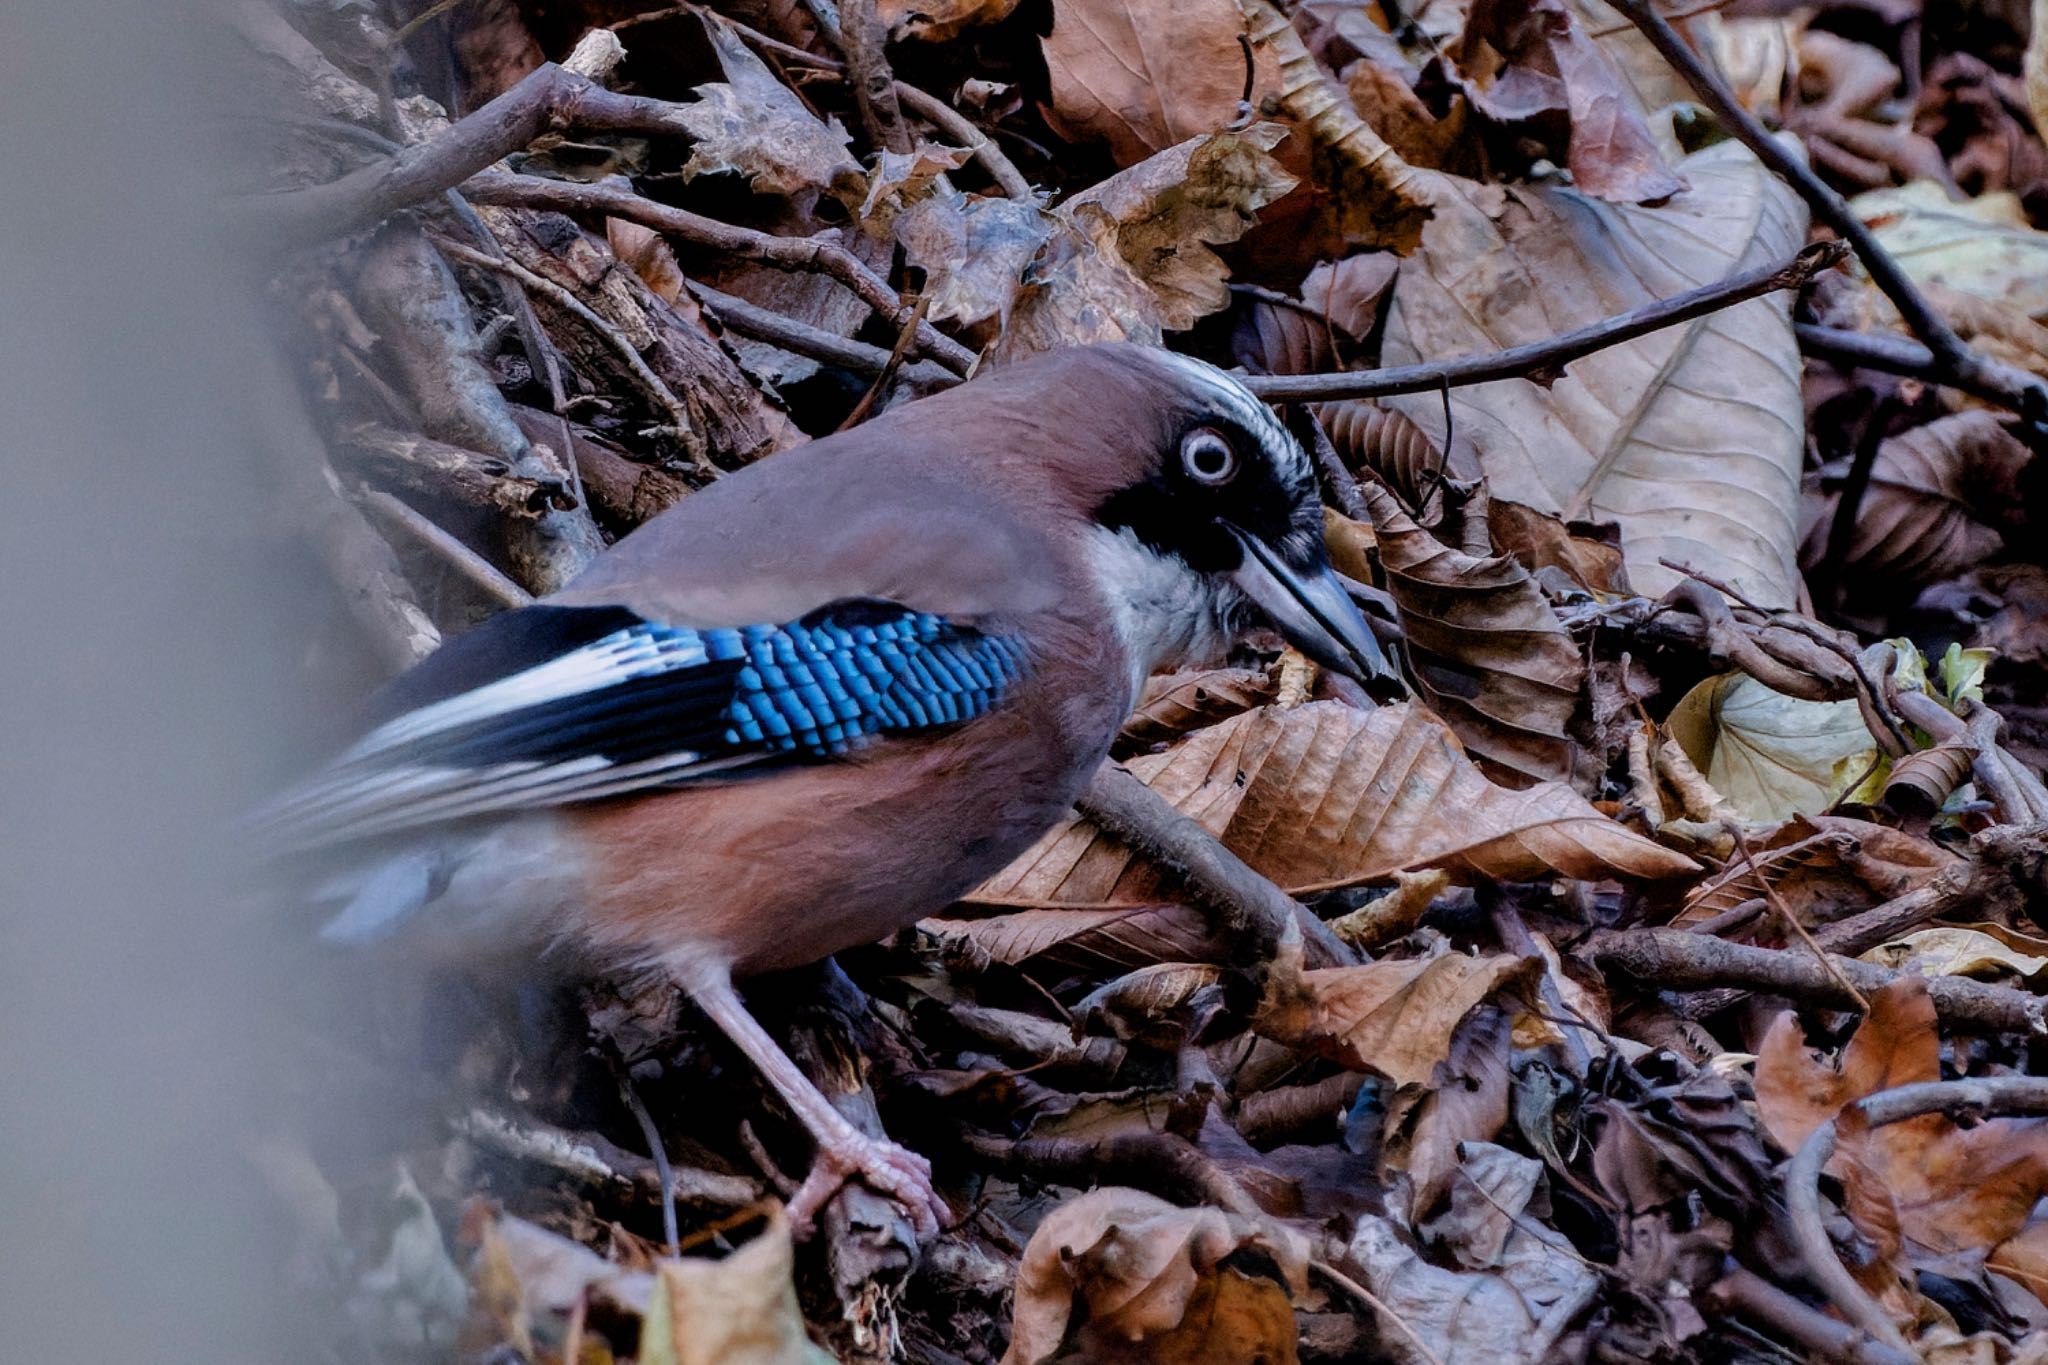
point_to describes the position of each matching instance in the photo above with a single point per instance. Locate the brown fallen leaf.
(1583, 555)
(1489, 654)
(935, 21)
(1531, 64)
(1389, 446)
(647, 254)
(1981, 123)
(741, 1310)
(1096, 940)
(1943, 1188)
(1939, 499)
(1366, 194)
(1394, 1017)
(1119, 1275)
(1340, 302)
(1324, 795)
(1176, 704)
(755, 125)
(1691, 439)
(1143, 75)
(1822, 868)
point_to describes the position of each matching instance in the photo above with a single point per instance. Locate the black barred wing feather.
(581, 704)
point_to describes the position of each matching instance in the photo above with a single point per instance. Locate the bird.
(826, 696)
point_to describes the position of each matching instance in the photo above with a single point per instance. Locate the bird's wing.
(552, 705)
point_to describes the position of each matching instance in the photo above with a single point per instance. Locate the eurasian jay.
(829, 694)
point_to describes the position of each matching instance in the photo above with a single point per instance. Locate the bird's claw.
(888, 1169)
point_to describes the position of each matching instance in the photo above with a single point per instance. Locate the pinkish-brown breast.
(782, 869)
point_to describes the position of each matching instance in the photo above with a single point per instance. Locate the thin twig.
(895, 362)
(1519, 362)
(474, 569)
(1792, 923)
(1976, 1096)
(784, 253)
(1954, 359)
(949, 121)
(1673, 959)
(681, 420)
(1379, 1306)
(1996, 382)
(1254, 910)
(1749, 1295)
(746, 319)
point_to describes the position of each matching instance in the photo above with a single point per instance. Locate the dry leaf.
(1340, 302)
(2035, 66)
(647, 254)
(973, 251)
(900, 178)
(1772, 756)
(1691, 438)
(1937, 499)
(754, 124)
(1094, 940)
(1491, 657)
(1822, 868)
(1394, 1017)
(1543, 543)
(1176, 704)
(1120, 1275)
(1367, 195)
(1324, 795)
(1462, 1318)
(1983, 246)
(741, 1310)
(1528, 62)
(1142, 75)
(1160, 215)
(935, 21)
(1958, 950)
(1943, 1188)
(1387, 445)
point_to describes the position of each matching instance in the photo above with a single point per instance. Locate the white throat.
(1164, 613)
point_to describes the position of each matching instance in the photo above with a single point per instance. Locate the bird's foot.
(884, 1167)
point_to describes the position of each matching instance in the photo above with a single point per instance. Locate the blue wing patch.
(648, 705)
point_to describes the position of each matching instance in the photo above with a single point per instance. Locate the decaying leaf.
(1324, 795)
(1983, 246)
(753, 124)
(902, 177)
(741, 1310)
(1939, 495)
(1394, 1017)
(1491, 657)
(1123, 260)
(1177, 704)
(1117, 1275)
(1964, 950)
(1460, 1318)
(1944, 1188)
(1532, 63)
(1160, 215)
(1772, 756)
(935, 21)
(1691, 438)
(1142, 75)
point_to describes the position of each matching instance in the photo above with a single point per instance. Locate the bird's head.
(1207, 519)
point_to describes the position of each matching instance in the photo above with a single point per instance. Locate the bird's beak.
(1316, 615)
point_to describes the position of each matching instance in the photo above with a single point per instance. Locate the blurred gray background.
(143, 696)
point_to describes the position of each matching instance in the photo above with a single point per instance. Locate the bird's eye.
(1208, 456)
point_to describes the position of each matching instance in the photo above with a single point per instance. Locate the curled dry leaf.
(902, 177)
(1387, 445)
(1178, 703)
(1489, 654)
(1325, 795)
(754, 124)
(935, 21)
(1142, 75)
(1583, 556)
(1530, 64)
(1121, 261)
(1983, 246)
(1937, 499)
(1769, 755)
(1340, 303)
(1691, 438)
(1965, 950)
(741, 1310)
(1943, 1188)
(1458, 1317)
(1121, 1275)
(647, 254)
(1369, 196)
(1395, 1017)
(1822, 868)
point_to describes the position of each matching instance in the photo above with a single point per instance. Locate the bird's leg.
(844, 1152)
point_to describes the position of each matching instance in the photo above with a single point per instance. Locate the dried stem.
(746, 319)
(1673, 959)
(785, 253)
(1977, 1096)
(1953, 359)
(470, 566)
(1255, 911)
(1520, 362)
